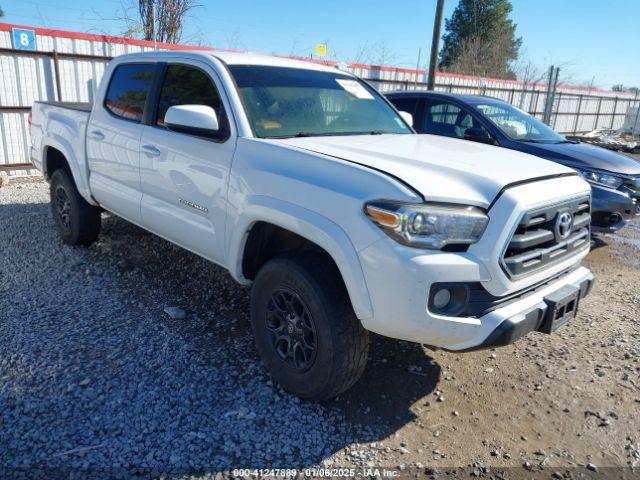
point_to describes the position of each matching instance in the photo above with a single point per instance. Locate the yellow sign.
(321, 50)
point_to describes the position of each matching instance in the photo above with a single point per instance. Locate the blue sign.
(23, 39)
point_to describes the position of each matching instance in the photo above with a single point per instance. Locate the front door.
(184, 176)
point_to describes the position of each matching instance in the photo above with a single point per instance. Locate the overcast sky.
(589, 38)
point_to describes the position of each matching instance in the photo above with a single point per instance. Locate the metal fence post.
(546, 116)
(56, 72)
(595, 126)
(635, 123)
(575, 124)
(555, 119)
(613, 115)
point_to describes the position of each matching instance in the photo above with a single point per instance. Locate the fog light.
(442, 298)
(449, 299)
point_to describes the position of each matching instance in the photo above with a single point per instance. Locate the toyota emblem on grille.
(564, 222)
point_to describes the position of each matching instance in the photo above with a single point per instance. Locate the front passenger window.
(184, 85)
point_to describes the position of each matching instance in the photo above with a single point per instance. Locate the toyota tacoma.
(303, 181)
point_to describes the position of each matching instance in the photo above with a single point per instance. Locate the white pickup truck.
(304, 181)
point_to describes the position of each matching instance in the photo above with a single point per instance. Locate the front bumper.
(400, 296)
(532, 318)
(611, 209)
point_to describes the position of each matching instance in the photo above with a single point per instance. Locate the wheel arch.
(305, 226)
(58, 153)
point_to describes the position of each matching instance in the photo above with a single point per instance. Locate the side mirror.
(476, 134)
(193, 119)
(407, 117)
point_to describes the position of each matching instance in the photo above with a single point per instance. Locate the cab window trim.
(149, 92)
(157, 93)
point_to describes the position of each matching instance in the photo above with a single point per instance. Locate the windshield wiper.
(551, 142)
(329, 134)
(300, 135)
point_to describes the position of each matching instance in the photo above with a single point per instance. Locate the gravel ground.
(96, 373)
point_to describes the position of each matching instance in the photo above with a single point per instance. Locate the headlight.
(604, 179)
(428, 225)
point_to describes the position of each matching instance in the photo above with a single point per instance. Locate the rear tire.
(304, 327)
(77, 222)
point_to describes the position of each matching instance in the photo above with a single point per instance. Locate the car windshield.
(289, 102)
(519, 125)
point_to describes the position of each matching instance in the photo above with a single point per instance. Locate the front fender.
(312, 226)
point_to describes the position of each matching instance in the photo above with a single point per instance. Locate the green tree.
(1, 12)
(480, 39)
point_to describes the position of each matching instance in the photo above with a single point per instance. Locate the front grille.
(544, 237)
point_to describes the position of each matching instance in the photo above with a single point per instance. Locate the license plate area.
(562, 306)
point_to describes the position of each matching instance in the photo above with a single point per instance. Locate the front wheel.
(77, 222)
(304, 326)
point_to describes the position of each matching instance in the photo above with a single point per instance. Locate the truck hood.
(441, 169)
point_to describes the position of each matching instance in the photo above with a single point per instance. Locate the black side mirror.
(477, 134)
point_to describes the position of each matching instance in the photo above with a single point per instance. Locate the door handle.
(150, 151)
(96, 135)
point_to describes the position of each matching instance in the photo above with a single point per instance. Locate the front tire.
(77, 222)
(304, 326)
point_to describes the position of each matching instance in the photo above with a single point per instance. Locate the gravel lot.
(95, 374)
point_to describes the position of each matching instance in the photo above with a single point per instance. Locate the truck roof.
(234, 58)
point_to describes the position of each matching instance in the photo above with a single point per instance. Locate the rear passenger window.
(185, 85)
(128, 89)
(442, 113)
(443, 119)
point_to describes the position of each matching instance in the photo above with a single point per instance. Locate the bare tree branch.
(163, 20)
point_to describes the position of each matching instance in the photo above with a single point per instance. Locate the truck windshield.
(293, 102)
(519, 125)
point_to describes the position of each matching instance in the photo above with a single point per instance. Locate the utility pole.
(415, 84)
(153, 24)
(435, 41)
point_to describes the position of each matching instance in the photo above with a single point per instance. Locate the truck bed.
(83, 107)
(66, 124)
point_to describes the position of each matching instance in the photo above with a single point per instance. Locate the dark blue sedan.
(615, 178)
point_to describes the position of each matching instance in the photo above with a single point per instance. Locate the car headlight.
(603, 179)
(428, 225)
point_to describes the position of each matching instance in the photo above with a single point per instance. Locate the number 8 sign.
(23, 39)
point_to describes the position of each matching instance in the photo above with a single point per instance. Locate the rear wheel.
(77, 222)
(304, 326)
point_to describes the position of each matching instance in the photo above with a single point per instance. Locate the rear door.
(184, 176)
(113, 139)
